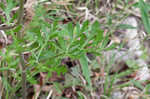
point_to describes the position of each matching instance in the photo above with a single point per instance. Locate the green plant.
(47, 44)
(41, 46)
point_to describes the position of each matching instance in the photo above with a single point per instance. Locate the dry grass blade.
(62, 2)
(49, 95)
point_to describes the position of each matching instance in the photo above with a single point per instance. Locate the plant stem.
(21, 12)
(22, 60)
(23, 75)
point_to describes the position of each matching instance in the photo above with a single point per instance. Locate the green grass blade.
(137, 84)
(85, 69)
(144, 15)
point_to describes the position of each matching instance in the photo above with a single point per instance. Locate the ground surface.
(74, 49)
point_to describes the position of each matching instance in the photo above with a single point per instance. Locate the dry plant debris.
(120, 70)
